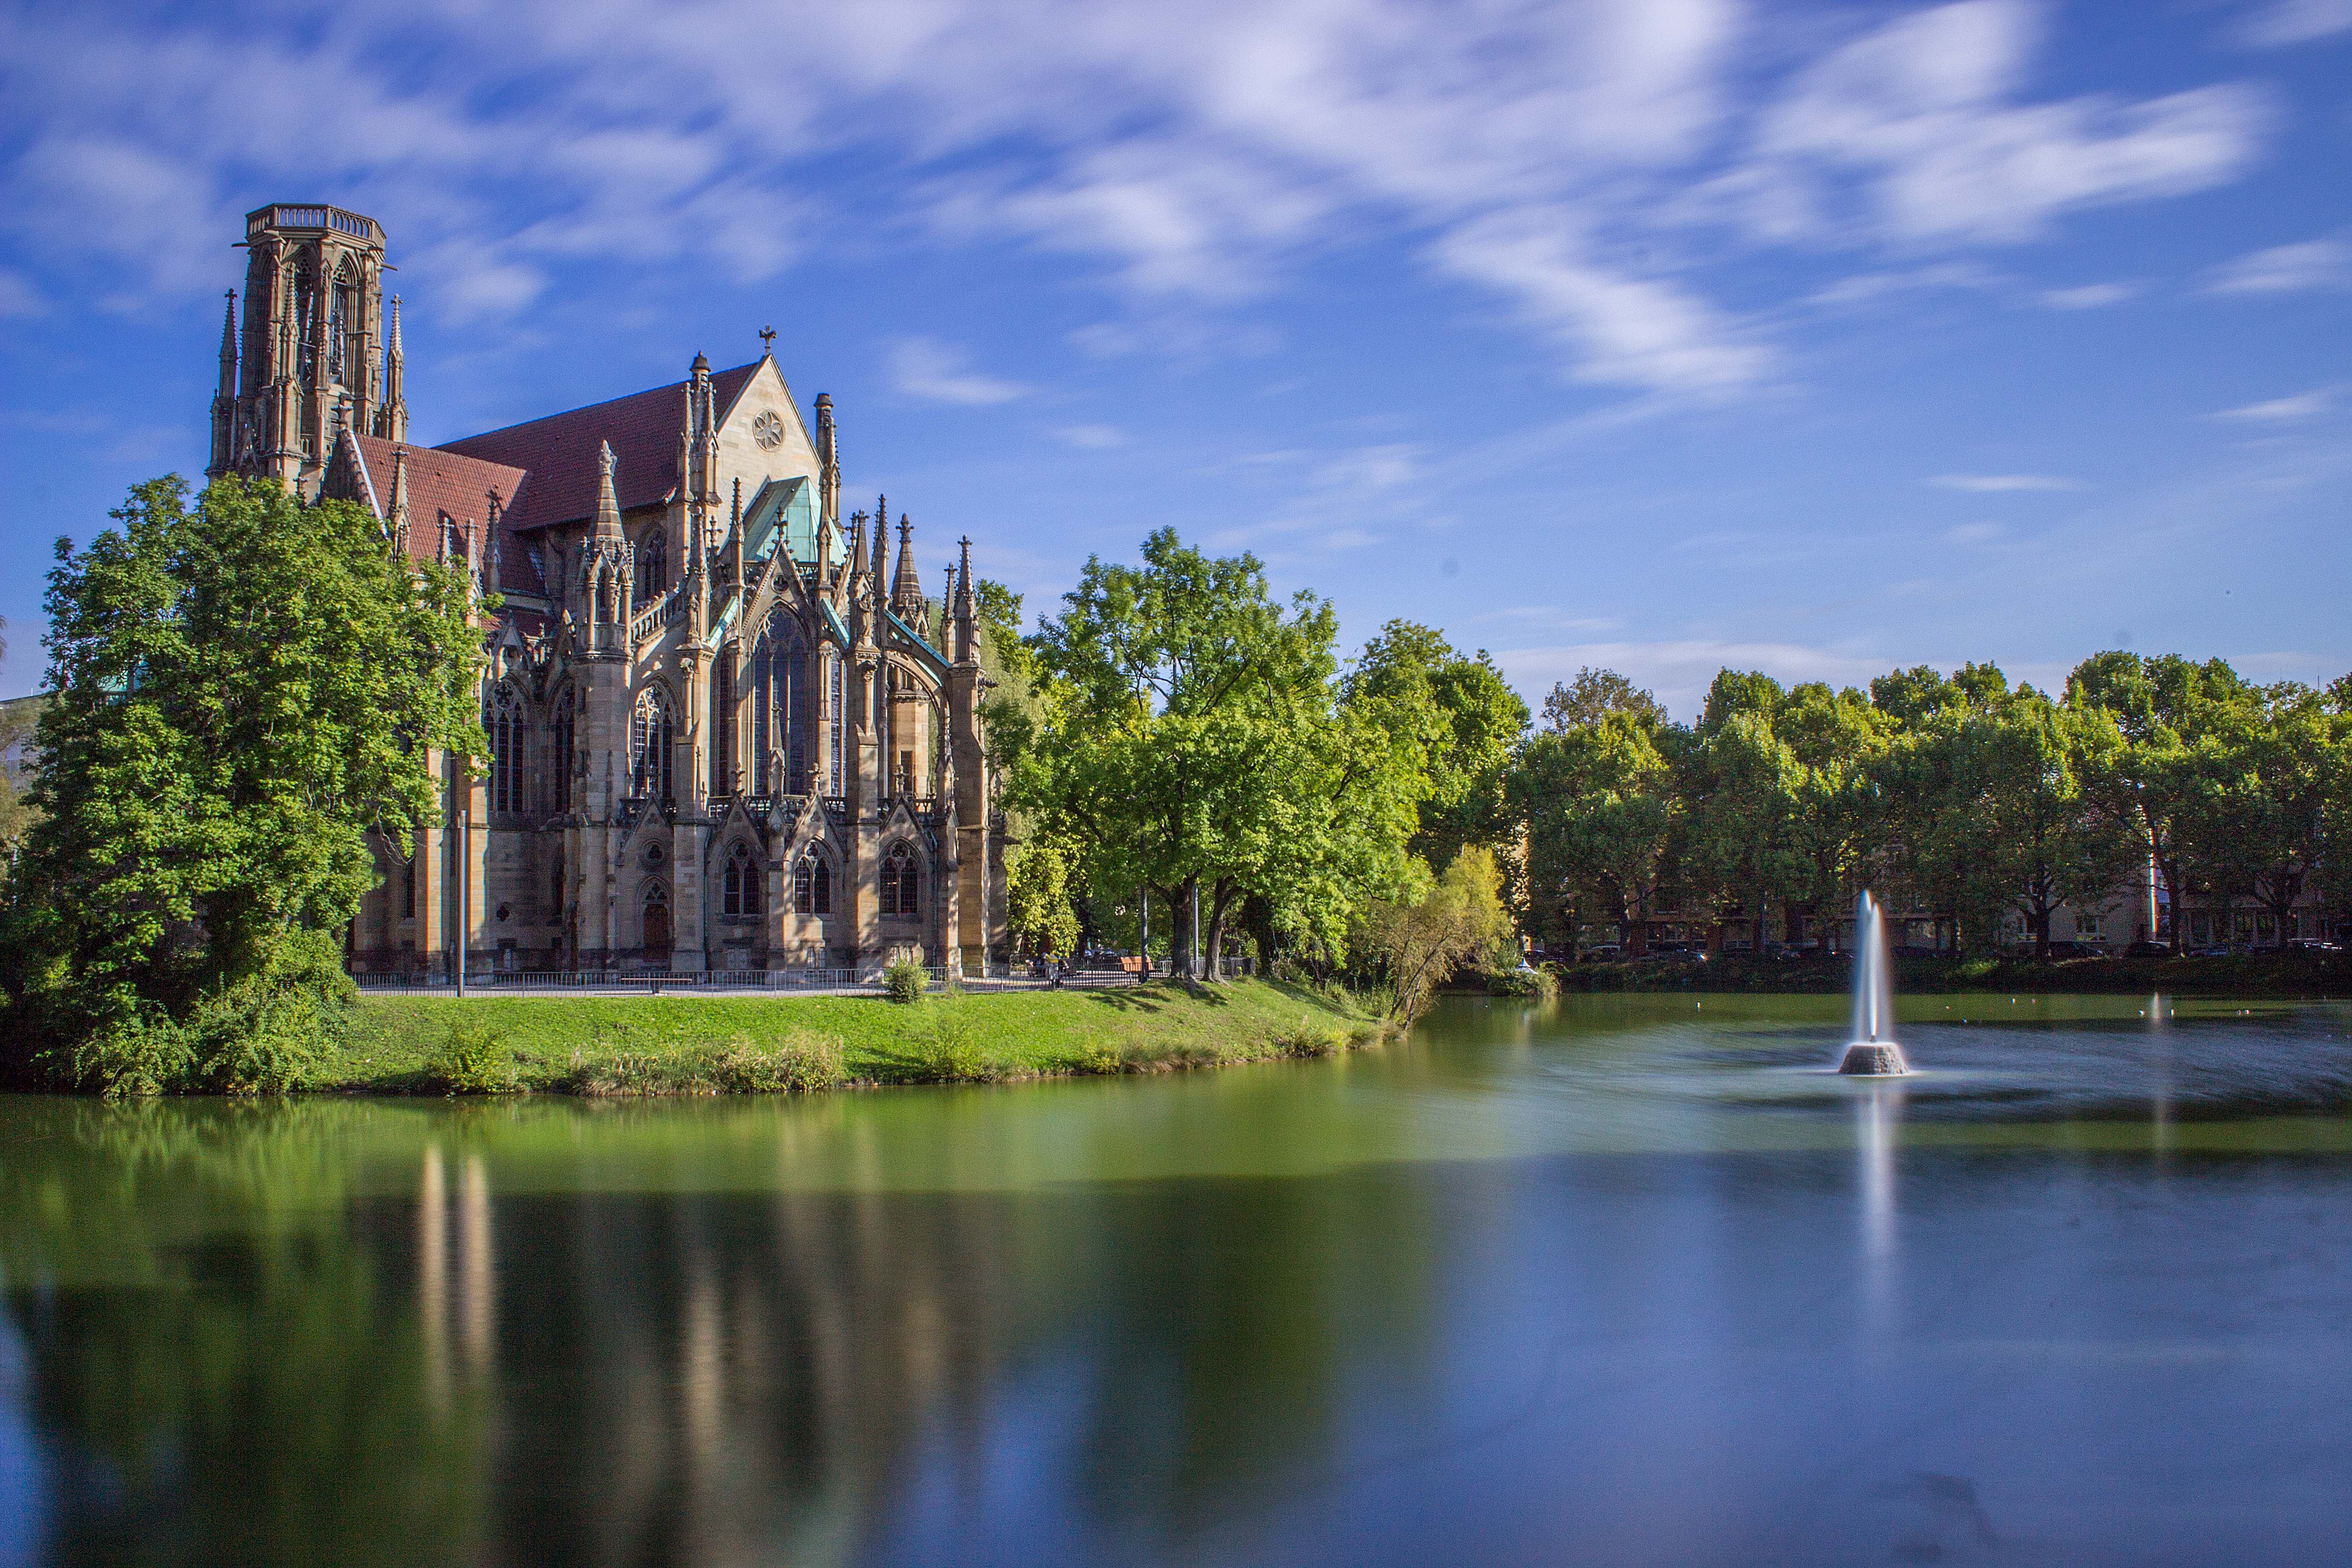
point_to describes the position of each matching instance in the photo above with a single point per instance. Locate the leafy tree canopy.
(241, 690)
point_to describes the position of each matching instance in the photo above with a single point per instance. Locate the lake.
(1621, 1280)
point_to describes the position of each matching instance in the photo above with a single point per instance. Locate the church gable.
(760, 434)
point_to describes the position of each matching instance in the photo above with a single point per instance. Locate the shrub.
(1540, 983)
(799, 1063)
(951, 1053)
(475, 1061)
(904, 980)
(133, 1050)
(1308, 1039)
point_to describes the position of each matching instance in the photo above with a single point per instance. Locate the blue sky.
(1658, 334)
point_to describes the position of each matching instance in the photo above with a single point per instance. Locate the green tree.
(241, 690)
(2145, 718)
(1741, 785)
(1189, 739)
(1039, 915)
(1448, 921)
(1601, 806)
(1467, 720)
(1592, 696)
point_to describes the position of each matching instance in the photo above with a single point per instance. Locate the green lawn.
(675, 1044)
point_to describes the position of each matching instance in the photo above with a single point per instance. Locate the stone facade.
(726, 731)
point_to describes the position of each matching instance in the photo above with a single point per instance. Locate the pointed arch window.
(722, 726)
(653, 565)
(651, 744)
(658, 939)
(510, 733)
(559, 755)
(739, 886)
(780, 717)
(813, 885)
(901, 883)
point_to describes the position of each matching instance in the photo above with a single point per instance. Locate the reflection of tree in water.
(1235, 1316)
(566, 1335)
(214, 1374)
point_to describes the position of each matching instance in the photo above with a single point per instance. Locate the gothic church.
(726, 732)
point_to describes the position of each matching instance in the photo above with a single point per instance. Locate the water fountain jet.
(1872, 1051)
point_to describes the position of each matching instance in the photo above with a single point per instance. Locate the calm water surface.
(1629, 1281)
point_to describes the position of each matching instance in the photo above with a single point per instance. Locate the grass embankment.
(688, 1045)
(2278, 974)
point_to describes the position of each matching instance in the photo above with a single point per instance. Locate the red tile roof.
(560, 451)
(445, 484)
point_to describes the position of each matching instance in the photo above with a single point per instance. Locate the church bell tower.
(309, 362)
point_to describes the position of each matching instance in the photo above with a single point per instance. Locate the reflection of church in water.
(727, 732)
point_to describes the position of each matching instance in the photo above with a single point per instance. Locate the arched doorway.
(658, 934)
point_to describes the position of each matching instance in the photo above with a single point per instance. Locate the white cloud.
(2284, 410)
(2296, 22)
(935, 372)
(2089, 296)
(1974, 534)
(1922, 115)
(1625, 330)
(1996, 484)
(2285, 270)
(1190, 156)
(1091, 437)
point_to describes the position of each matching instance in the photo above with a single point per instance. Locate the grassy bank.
(2280, 975)
(657, 1045)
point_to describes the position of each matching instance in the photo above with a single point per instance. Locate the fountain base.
(1867, 1058)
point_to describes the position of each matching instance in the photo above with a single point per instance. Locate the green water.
(1629, 1279)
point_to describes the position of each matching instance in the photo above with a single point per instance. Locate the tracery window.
(509, 735)
(780, 717)
(559, 755)
(902, 884)
(740, 886)
(833, 713)
(653, 564)
(813, 885)
(652, 737)
(722, 727)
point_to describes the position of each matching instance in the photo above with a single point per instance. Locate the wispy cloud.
(2089, 296)
(1091, 437)
(2284, 410)
(2285, 270)
(2282, 22)
(935, 372)
(1995, 484)
(1974, 534)
(1191, 157)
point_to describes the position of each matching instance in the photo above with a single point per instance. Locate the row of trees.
(1965, 794)
(1174, 729)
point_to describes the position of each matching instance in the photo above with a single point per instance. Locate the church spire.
(881, 564)
(967, 626)
(608, 500)
(224, 397)
(828, 456)
(391, 413)
(906, 591)
(228, 347)
(396, 518)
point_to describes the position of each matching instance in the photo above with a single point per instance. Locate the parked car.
(2313, 944)
(2213, 949)
(2147, 949)
(1601, 950)
(2076, 950)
